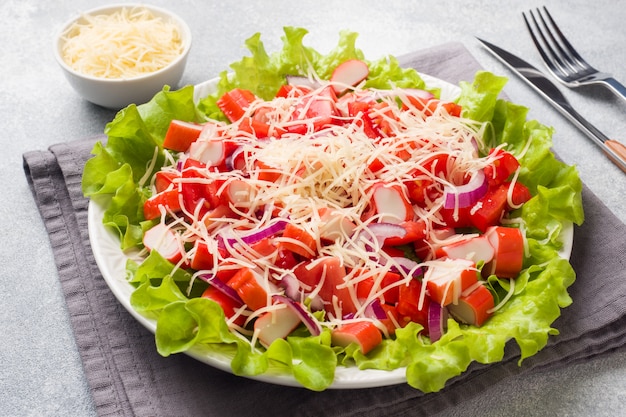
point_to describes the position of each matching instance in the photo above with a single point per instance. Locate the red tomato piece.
(288, 90)
(254, 127)
(393, 320)
(503, 166)
(168, 199)
(519, 195)
(192, 192)
(321, 108)
(228, 305)
(392, 250)
(437, 164)
(423, 104)
(376, 165)
(429, 106)
(361, 110)
(285, 259)
(392, 294)
(490, 208)
(423, 186)
(307, 274)
(453, 109)
(418, 189)
(196, 189)
(459, 219)
(408, 306)
(333, 274)
(383, 118)
(365, 287)
(226, 271)
(163, 179)
(204, 258)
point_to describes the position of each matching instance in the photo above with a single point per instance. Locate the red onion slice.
(291, 285)
(309, 321)
(407, 266)
(383, 231)
(222, 287)
(261, 234)
(374, 310)
(467, 194)
(235, 160)
(437, 321)
(316, 303)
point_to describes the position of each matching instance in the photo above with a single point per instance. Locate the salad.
(327, 210)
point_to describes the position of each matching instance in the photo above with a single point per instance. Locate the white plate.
(111, 261)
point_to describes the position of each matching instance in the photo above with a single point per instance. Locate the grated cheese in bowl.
(124, 44)
(121, 54)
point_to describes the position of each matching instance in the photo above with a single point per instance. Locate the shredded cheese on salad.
(362, 188)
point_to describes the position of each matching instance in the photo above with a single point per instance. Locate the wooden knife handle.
(619, 149)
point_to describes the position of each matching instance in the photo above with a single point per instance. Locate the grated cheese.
(121, 45)
(325, 169)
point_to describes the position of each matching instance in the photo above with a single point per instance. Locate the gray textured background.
(40, 370)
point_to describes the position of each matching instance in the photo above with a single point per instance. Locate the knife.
(615, 150)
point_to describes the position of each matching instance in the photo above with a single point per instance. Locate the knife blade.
(615, 150)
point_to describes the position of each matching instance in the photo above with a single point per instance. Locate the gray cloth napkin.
(128, 377)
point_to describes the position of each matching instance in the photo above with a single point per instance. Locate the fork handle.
(619, 151)
(613, 149)
(616, 87)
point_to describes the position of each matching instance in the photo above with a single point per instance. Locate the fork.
(562, 59)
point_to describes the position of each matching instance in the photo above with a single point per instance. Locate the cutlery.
(615, 150)
(562, 59)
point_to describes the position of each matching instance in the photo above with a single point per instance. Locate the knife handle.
(619, 151)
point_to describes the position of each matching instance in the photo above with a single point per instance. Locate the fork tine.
(555, 47)
(563, 44)
(549, 56)
(560, 57)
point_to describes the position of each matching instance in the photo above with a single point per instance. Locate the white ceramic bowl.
(118, 93)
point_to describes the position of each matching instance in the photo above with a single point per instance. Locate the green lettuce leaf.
(479, 98)
(183, 324)
(148, 298)
(119, 168)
